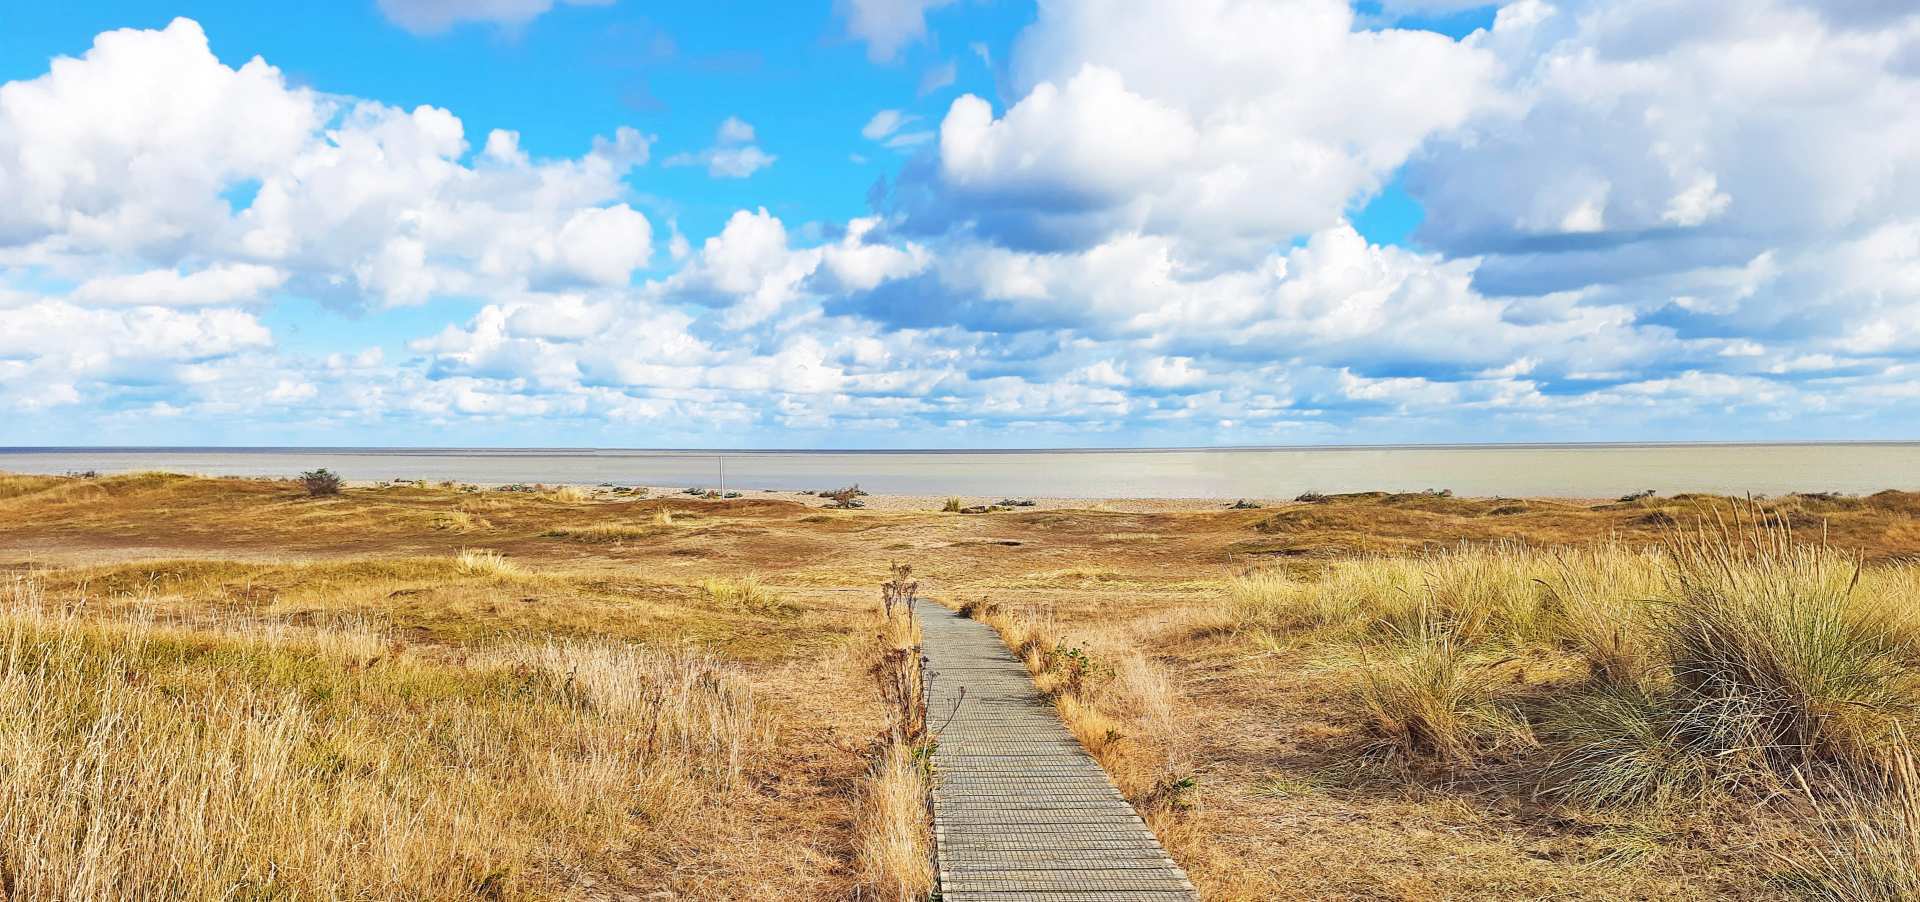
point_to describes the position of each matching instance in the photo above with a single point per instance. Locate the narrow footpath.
(1021, 813)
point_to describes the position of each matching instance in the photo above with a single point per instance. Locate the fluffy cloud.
(102, 154)
(1148, 241)
(54, 353)
(130, 156)
(1644, 137)
(435, 16)
(1229, 123)
(750, 270)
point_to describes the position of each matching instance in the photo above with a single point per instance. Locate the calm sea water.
(1538, 470)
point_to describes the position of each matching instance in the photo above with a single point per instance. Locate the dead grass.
(746, 593)
(1546, 602)
(487, 562)
(895, 845)
(604, 532)
(1426, 699)
(894, 828)
(257, 759)
(1119, 703)
(1868, 838)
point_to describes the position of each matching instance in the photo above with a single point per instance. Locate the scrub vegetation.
(213, 688)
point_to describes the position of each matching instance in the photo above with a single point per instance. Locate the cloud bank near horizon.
(1644, 219)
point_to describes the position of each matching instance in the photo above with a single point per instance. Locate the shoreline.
(933, 502)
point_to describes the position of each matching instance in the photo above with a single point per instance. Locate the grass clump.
(1769, 660)
(1427, 701)
(1619, 745)
(487, 562)
(1867, 838)
(1774, 650)
(895, 844)
(746, 593)
(953, 506)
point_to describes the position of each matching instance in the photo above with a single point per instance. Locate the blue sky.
(971, 223)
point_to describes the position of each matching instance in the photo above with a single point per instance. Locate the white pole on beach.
(723, 474)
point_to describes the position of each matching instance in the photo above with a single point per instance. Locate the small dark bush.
(978, 608)
(321, 482)
(1656, 518)
(1244, 505)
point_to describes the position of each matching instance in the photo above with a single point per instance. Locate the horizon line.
(583, 449)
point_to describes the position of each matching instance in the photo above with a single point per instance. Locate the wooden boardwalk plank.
(1021, 813)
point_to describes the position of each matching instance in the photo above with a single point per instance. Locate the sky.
(958, 223)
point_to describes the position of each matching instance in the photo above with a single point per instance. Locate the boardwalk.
(1021, 813)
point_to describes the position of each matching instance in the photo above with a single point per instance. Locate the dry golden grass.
(894, 827)
(1868, 847)
(614, 531)
(1120, 704)
(895, 844)
(254, 759)
(1302, 790)
(746, 593)
(1730, 663)
(487, 562)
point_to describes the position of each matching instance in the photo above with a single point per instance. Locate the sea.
(1572, 470)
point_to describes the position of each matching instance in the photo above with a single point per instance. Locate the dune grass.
(745, 592)
(1734, 661)
(1545, 628)
(259, 759)
(1868, 839)
(487, 562)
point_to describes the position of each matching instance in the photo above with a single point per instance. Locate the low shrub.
(320, 482)
(979, 609)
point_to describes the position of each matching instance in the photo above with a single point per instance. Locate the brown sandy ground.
(1284, 804)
